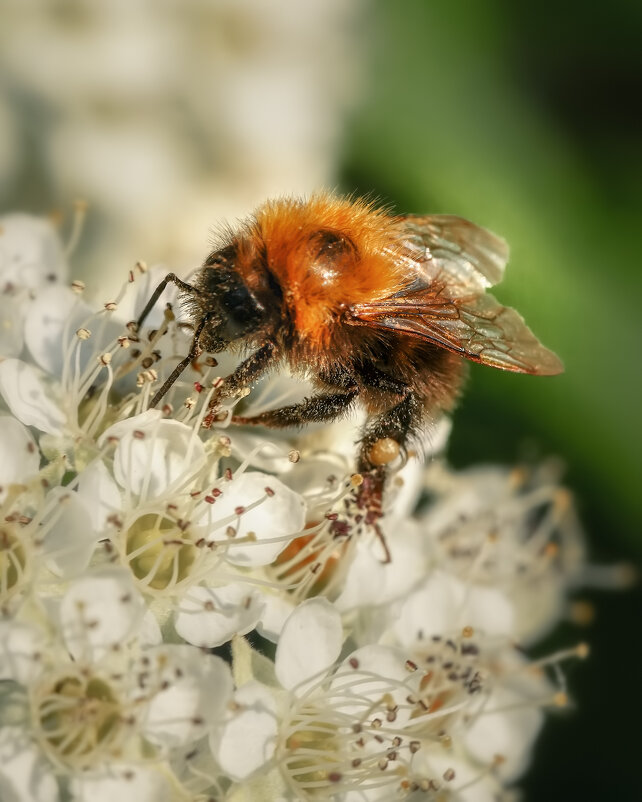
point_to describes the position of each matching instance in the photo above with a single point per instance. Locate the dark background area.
(526, 118)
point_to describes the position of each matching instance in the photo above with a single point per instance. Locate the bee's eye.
(240, 304)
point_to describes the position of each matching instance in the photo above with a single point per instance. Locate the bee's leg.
(383, 439)
(249, 370)
(317, 409)
(398, 423)
(170, 278)
(194, 351)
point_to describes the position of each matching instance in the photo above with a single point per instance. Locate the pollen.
(384, 451)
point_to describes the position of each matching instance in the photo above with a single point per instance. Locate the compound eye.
(242, 313)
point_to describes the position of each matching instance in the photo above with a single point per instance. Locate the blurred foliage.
(521, 117)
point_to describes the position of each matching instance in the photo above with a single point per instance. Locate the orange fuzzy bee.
(376, 308)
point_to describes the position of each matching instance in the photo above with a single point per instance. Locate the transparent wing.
(445, 248)
(476, 326)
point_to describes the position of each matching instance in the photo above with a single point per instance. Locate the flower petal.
(25, 776)
(445, 604)
(310, 643)
(71, 538)
(153, 453)
(101, 611)
(209, 617)
(100, 494)
(247, 741)
(260, 508)
(195, 689)
(30, 252)
(126, 783)
(510, 734)
(11, 325)
(20, 652)
(53, 318)
(28, 396)
(19, 455)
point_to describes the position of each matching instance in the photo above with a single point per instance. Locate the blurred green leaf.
(451, 126)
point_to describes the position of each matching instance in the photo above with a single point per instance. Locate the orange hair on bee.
(359, 265)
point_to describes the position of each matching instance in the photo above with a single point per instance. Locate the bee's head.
(233, 309)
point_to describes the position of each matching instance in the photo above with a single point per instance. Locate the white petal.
(30, 252)
(445, 604)
(25, 776)
(247, 741)
(19, 455)
(260, 453)
(370, 672)
(509, 732)
(52, 320)
(338, 438)
(277, 391)
(28, 396)
(364, 579)
(149, 633)
(209, 617)
(142, 422)
(409, 558)
(100, 494)
(468, 783)
(276, 609)
(195, 689)
(152, 454)
(310, 642)
(20, 652)
(125, 783)
(489, 611)
(431, 610)
(101, 611)
(11, 325)
(279, 512)
(71, 539)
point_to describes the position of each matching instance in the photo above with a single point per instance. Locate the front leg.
(249, 370)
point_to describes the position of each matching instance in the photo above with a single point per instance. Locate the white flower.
(510, 530)
(119, 697)
(133, 541)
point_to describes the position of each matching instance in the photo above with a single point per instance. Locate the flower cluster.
(194, 611)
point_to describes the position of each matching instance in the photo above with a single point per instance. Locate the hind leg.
(389, 433)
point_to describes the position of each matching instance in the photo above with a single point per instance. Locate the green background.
(525, 118)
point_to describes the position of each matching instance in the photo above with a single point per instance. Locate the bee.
(375, 308)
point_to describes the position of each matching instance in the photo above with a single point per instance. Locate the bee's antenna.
(194, 351)
(169, 278)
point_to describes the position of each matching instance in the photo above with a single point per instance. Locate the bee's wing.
(450, 264)
(452, 249)
(476, 326)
